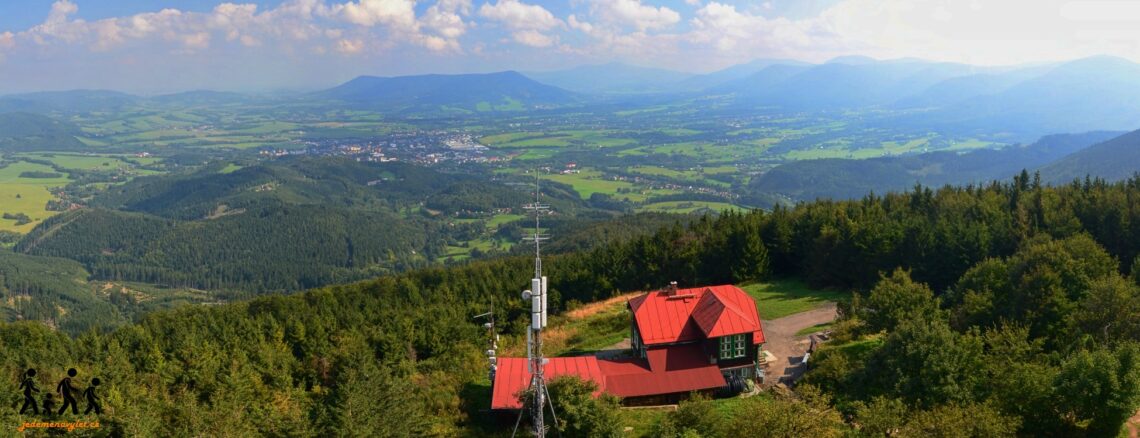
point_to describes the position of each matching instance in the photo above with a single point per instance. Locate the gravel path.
(782, 342)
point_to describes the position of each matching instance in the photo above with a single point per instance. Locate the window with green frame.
(733, 346)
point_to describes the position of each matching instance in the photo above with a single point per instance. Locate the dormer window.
(732, 346)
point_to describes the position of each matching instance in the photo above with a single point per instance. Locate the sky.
(151, 47)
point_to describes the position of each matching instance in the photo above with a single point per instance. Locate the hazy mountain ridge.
(852, 179)
(613, 77)
(502, 91)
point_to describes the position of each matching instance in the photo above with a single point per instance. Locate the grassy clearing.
(230, 168)
(780, 298)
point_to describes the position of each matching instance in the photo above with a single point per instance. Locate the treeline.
(1021, 280)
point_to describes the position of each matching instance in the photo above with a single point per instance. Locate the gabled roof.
(695, 314)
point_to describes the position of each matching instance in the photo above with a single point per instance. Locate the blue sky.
(160, 46)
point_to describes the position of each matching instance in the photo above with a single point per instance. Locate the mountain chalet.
(682, 340)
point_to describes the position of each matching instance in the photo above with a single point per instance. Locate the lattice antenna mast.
(537, 295)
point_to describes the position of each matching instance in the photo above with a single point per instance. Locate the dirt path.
(781, 341)
(1133, 425)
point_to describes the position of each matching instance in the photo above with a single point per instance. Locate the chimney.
(671, 290)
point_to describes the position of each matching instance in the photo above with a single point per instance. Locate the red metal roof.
(666, 370)
(513, 377)
(695, 314)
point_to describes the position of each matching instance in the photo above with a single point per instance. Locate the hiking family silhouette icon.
(66, 390)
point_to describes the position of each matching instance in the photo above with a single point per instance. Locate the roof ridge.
(733, 307)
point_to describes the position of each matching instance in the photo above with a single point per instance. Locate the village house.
(700, 339)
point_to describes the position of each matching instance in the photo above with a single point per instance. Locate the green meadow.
(24, 195)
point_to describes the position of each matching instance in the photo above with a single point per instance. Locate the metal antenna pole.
(538, 298)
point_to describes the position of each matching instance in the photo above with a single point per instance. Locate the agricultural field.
(696, 176)
(686, 207)
(587, 182)
(557, 139)
(105, 162)
(27, 196)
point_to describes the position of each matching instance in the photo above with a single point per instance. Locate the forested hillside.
(21, 131)
(1113, 160)
(1027, 326)
(283, 226)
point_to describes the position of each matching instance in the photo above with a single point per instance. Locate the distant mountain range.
(503, 91)
(1011, 104)
(1059, 157)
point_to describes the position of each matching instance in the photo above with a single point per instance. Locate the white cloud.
(349, 46)
(723, 28)
(528, 23)
(445, 19)
(583, 26)
(196, 41)
(295, 22)
(396, 13)
(532, 38)
(633, 13)
(518, 15)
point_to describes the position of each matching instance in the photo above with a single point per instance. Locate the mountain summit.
(502, 91)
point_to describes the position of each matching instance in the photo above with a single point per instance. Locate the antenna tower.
(537, 295)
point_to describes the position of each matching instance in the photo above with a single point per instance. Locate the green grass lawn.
(780, 298)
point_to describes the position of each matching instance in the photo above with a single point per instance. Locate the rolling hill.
(503, 91)
(68, 102)
(22, 131)
(1113, 160)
